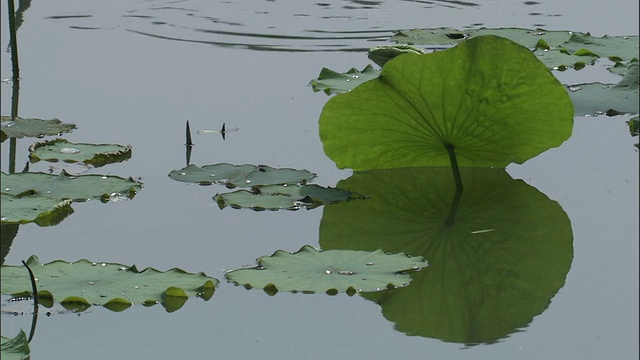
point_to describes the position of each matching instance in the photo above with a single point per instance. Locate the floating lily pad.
(83, 283)
(618, 48)
(334, 271)
(65, 186)
(19, 128)
(287, 197)
(41, 210)
(621, 98)
(16, 348)
(332, 82)
(488, 99)
(93, 154)
(240, 175)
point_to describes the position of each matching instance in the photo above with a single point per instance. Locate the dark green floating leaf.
(64, 186)
(93, 154)
(41, 210)
(16, 348)
(82, 284)
(313, 271)
(284, 197)
(240, 175)
(497, 255)
(488, 98)
(332, 82)
(20, 128)
(382, 54)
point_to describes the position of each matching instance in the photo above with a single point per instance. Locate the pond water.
(135, 72)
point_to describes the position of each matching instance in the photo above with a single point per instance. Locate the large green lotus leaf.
(84, 283)
(240, 175)
(590, 99)
(19, 128)
(42, 210)
(93, 154)
(64, 186)
(284, 197)
(616, 47)
(16, 348)
(333, 271)
(497, 255)
(332, 82)
(488, 98)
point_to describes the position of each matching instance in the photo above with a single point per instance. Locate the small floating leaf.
(65, 186)
(590, 99)
(81, 284)
(279, 197)
(240, 175)
(332, 271)
(19, 128)
(93, 154)
(332, 82)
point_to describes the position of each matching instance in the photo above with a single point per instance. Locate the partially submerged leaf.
(284, 197)
(240, 175)
(93, 154)
(313, 271)
(487, 98)
(64, 186)
(82, 284)
(19, 128)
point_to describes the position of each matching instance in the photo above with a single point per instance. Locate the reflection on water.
(267, 26)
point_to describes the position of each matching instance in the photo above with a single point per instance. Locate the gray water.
(134, 72)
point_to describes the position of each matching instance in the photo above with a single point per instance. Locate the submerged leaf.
(313, 271)
(82, 284)
(284, 197)
(240, 175)
(93, 154)
(19, 128)
(488, 98)
(16, 348)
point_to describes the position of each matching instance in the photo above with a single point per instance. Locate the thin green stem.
(34, 288)
(454, 166)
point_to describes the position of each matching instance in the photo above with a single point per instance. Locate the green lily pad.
(497, 255)
(334, 271)
(65, 186)
(619, 48)
(240, 175)
(595, 98)
(93, 154)
(489, 99)
(83, 283)
(332, 82)
(41, 210)
(16, 348)
(19, 128)
(284, 197)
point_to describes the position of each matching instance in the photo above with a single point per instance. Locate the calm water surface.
(134, 72)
